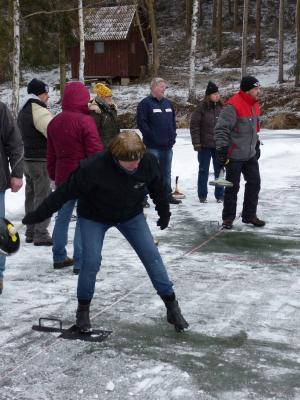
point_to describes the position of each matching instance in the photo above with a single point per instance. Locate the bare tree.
(214, 17)
(258, 24)
(16, 59)
(138, 21)
(62, 61)
(244, 38)
(188, 18)
(151, 13)
(192, 88)
(81, 42)
(219, 27)
(280, 41)
(297, 67)
(235, 15)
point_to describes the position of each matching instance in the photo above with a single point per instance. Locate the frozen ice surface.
(239, 290)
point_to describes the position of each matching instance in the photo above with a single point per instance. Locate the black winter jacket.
(107, 193)
(202, 125)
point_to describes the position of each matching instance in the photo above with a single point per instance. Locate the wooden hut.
(113, 44)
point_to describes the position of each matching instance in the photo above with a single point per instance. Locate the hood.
(27, 98)
(76, 98)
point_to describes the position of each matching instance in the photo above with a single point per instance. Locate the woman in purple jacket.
(72, 136)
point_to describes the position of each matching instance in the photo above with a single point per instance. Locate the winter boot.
(83, 322)
(1, 286)
(254, 221)
(174, 315)
(227, 224)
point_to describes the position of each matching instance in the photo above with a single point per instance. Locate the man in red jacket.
(236, 135)
(72, 136)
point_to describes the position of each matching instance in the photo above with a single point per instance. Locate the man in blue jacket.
(156, 121)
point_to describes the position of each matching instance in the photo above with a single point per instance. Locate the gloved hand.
(32, 218)
(222, 155)
(163, 221)
(257, 149)
(197, 147)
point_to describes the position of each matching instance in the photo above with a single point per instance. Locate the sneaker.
(83, 322)
(221, 200)
(254, 221)
(62, 264)
(76, 271)
(203, 200)
(174, 201)
(227, 224)
(47, 242)
(1, 286)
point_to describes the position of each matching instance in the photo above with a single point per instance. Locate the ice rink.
(238, 289)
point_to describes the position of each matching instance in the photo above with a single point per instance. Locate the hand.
(257, 149)
(16, 184)
(31, 218)
(163, 221)
(197, 147)
(222, 155)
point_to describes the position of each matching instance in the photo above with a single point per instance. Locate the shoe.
(83, 322)
(29, 240)
(47, 242)
(174, 315)
(76, 271)
(203, 200)
(254, 221)
(1, 286)
(62, 264)
(227, 224)
(221, 200)
(174, 201)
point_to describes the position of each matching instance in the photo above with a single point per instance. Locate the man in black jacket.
(33, 120)
(110, 188)
(11, 164)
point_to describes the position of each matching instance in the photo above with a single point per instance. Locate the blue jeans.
(204, 157)
(138, 234)
(60, 235)
(165, 161)
(2, 215)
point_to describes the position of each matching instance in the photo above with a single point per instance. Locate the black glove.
(222, 155)
(163, 221)
(257, 149)
(32, 218)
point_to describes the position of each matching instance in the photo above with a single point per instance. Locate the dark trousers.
(250, 171)
(204, 157)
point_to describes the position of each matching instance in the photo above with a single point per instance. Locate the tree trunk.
(280, 42)
(244, 39)
(258, 23)
(156, 61)
(219, 28)
(214, 17)
(62, 62)
(297, 67)
(188, 18)
(192, 88)
(138, 21)
(229, 8)
(81, 42)
(16, 59)
(235, 15)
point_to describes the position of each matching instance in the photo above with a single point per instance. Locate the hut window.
(99, 48)
(132, 48)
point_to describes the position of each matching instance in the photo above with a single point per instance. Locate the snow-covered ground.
(239, 290)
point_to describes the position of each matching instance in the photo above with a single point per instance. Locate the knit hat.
(211, 88)
(37, 87)
(249, 82)
(127, 146)
(102, 91)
